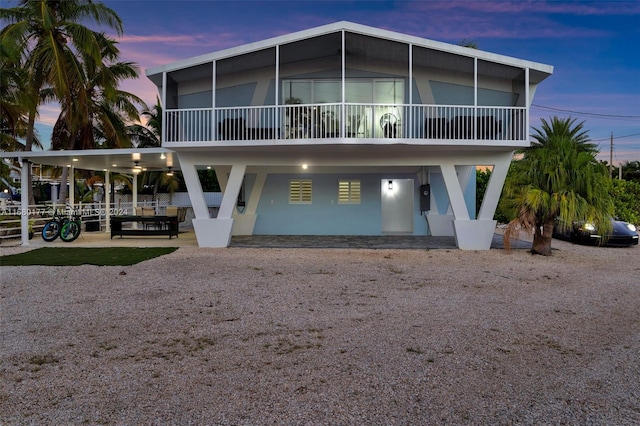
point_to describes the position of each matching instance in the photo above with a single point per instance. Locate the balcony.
(299, 122)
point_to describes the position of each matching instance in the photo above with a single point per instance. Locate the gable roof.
(542, 70)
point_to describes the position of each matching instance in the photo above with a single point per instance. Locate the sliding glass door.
(375, 109)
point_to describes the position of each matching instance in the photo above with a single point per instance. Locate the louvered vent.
(300, 191)
(348, 191)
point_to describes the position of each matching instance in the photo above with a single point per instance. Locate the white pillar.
(72, 187)
(454, 190)
(54, 192)
(469, 234)
(243, 224)
(231, 192)
(494, 187)
(134, 198)
(24, 201)
(192, 182)
(134, 192)
(107, 201)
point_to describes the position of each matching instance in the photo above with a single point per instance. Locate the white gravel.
(325, 336)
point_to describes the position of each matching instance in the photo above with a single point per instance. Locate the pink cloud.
(500, 19)
(547, 7)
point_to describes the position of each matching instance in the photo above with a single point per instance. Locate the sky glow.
(594, 46)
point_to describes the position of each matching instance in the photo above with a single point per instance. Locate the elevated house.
(342, 129)
(346, 129)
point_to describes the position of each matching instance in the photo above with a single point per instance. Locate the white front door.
(397, 200)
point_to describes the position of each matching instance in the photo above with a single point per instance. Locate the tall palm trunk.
(542, 239)
(64, 191)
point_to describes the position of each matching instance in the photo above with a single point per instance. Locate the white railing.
(39, 214)
(306, 121)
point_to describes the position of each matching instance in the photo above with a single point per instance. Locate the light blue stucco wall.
(324, 216)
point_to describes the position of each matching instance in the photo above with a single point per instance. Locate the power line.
(615, 137)
(590, 114)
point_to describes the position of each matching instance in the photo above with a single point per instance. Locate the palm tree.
(558, 180)
(47, 33)
(149, 135)
(100, 111)
(563, 128)
(14, 103)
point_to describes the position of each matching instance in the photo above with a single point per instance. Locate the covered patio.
(129, 162)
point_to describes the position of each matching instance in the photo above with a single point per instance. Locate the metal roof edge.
(352, 27)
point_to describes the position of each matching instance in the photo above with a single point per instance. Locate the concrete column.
(243, 224)
(24, 201)
(494, 187)
(134, 198)
(454, 190)
(231, 192)
(107, 201)
(469, 234)
(54, 192)
(72, 186)
(191, 180)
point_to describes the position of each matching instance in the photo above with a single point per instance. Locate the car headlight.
(631, 227)
(589, 227)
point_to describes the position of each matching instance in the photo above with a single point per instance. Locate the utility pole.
(611, 158)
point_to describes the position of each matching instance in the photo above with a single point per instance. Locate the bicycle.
(72, 228)
(52, 228)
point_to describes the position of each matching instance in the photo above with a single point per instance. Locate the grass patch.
(74, 256)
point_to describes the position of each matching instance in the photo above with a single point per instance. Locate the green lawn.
(73, 256)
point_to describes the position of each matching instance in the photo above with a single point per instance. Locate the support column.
(231, 192)
(469, 234)
(72, 186)
(211, 232)
(454, 190)
(24, 201)
(134, 197)
(54, 193)
(107, 201)
(243, 224)
(192, 182)
(494, 187)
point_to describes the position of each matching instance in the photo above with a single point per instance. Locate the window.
(348, 191)
(300, 191)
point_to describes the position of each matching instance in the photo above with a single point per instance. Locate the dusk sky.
(594, 46)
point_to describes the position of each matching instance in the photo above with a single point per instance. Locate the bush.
(626, 199)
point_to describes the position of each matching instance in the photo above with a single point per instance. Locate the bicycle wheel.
(70, 231)
(51, 231)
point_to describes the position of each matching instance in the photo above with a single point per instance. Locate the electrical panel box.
(425, 198)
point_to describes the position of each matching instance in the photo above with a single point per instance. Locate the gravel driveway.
(325, 336)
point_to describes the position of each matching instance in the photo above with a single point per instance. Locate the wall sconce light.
(390, 185)
(136, 168)
(170, 172)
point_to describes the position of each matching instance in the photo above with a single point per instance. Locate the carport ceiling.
(114, 160)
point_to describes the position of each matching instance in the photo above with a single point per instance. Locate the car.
(622, 234)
